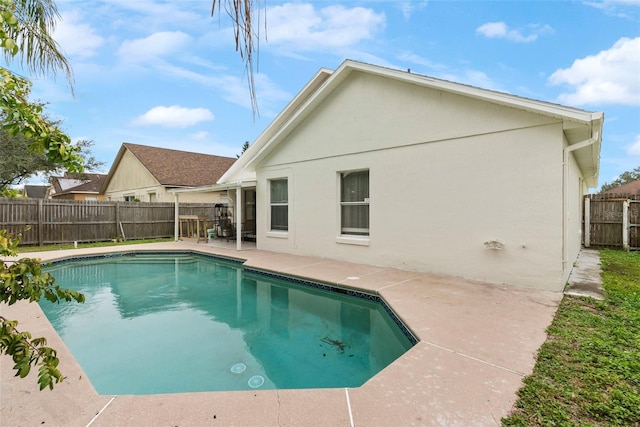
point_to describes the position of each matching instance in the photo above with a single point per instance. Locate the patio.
(477, 342)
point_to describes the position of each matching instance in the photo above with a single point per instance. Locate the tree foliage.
(624, 178)
(25, 27)
(27, 118)
(245, 147)
(24, 280)
(19, 162)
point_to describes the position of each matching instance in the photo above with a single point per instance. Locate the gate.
(612, 220)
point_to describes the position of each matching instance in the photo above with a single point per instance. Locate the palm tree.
(38, 51)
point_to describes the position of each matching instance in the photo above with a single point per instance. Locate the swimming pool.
(184, 322)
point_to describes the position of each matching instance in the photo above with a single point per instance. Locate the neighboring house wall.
(82, 197)
(132, 180)
(447, 173)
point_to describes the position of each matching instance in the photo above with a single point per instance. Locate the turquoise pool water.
(171, 323)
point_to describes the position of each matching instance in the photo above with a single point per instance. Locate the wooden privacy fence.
(612, 220)
(65, 221)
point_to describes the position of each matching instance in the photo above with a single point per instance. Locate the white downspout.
(565, 193)
(176, 222)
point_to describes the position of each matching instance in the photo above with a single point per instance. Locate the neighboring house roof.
(632, 187)
(175, 168)
(89, 183)
(579, 125)
(36, 191)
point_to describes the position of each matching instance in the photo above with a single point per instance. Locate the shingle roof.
(80, 183)
(36, 191)
(632, 187)
(180, 168)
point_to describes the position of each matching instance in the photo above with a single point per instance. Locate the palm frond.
(40, 54)
(246, 34)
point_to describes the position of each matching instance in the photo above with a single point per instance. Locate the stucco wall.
(576, 189)
(461, 172)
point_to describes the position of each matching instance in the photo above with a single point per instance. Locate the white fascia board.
(514, 101)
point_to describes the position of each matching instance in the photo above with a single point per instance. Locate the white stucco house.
(379, 166)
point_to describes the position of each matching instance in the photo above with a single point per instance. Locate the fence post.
(625, 225)
(176, 217)
(587, 222)
(117, 219)
(40, 222)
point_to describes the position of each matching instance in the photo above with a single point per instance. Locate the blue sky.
(165, 73)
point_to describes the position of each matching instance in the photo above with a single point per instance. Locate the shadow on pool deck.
(477, 342)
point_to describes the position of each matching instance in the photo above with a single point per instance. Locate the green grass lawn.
(28, 248)
(588, 370)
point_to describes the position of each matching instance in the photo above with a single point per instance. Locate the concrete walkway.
(585, 279)
(477, 342)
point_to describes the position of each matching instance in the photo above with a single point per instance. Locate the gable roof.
(88, 183)
(578, 125)
(632, 187)
(36, 191)
(175, 168)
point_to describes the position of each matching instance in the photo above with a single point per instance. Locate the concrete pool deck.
(477, 342)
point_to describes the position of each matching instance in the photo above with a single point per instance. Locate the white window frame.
(275, 232)
(357, 238)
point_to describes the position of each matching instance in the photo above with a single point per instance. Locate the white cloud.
(416, 59)
(174, 116)
(617, 8)
(502, 31)
(76, 38)
(199, 136)
(327, 28)
(409, 7)
(150, 15)
(270, 97)
(155, 46)
(634, 149)
(473, 78)
(609, 77)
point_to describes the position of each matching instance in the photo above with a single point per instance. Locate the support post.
(587, 222)
(239, 218)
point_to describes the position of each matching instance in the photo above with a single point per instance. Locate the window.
(279, 204)
(153, 198)
(354, 203)
(129, 198)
